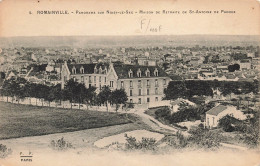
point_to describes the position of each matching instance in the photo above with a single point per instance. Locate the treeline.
(20, 88)
(190, 88)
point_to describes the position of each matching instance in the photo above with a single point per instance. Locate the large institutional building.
(143, 84)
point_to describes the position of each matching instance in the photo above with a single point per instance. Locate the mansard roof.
(122, 71)
(88, 68)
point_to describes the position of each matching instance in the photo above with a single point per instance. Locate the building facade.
(143, 84)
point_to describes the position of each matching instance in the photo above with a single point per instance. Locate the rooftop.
(216, 110)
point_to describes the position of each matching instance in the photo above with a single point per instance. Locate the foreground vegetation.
(25, 120)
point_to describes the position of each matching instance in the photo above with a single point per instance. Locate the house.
(143, 84)
(245, 64)
(219, 111)
(89, 74)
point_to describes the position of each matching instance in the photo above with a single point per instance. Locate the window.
(130, 73)
(82, 78)
(148, 99)
(164, 81)
(139, 83)
(213, 119)
(147, 73)
(100, 78)
(100, 87)
(148, 83)
(131, 100)
(73, 70)
(139, 101)
(140, 92)
(148, 92)
(156, 98)
(74, 78)
(131, 92)
(139, 73)
(156, 72)
(156, 82)
(131, 83)
(111, 83)
(156, 91)
(89, 85)
(89, 78)
(82, 70)
(95, 79)
(122, 84)
(105, 79)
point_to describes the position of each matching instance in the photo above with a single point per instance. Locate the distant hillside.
(116, 41)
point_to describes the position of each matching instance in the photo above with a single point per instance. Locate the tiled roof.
(216, 110)
(122, 71)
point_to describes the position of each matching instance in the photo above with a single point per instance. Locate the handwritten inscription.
(146, 26)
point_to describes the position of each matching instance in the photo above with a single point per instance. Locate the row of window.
(139, 73)
(140, 83)
(82, 70)
(140, 92)
(95, 79)
(140, 100)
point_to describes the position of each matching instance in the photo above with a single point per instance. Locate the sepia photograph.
(129, 83)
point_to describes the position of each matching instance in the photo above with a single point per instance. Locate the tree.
(104, 95)
(42, 92)
(227, 123)
(6, 88)
(21, 88)
(34, 91)
(70, 91)
(80, 92)
(57, 92)
(232, 68)
(118, 97)
(176, 90)
(90, 95)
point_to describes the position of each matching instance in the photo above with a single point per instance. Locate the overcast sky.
(15, 19)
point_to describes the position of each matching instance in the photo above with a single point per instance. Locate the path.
(155, 124)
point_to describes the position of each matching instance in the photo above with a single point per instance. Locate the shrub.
(4, 151)
(146, 144)
(61, 144)
(204, 138)
(163, 113)
(228, 123)
(251, 135)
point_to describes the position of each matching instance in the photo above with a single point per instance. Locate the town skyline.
(129, 40)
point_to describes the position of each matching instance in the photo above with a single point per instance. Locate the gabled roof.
(216, 110)
(122, 71)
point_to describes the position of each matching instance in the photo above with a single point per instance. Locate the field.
(24, 120)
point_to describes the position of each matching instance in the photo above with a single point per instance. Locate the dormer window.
(82, 70)
(74, 70)
(100, 70)
(95, 69)
(147, 73)
(130, 73)
(105, 70)
(156, 72)
(139, 73)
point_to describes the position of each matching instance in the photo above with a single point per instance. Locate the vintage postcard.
(129, 83)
